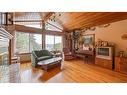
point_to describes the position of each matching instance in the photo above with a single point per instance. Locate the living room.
(62, 47)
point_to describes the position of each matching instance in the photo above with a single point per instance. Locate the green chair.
(40, 55)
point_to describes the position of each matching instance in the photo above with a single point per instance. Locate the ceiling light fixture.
(53, 17)
(103, 26)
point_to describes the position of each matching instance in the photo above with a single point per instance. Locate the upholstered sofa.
(40, 55)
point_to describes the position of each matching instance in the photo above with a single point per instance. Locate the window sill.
(23, 53)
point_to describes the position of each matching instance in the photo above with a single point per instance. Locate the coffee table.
(50, 63)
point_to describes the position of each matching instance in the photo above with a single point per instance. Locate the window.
(3, 44)
(22, 42)
(35, 42)
(26, 42)
(3, 49)
(58, 43)
(53, 42)
(49, 42)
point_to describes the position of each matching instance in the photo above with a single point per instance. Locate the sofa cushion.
(43, 58)
(37, 53)
(45, 53)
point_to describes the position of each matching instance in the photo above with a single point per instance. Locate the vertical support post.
(43, 35)
(9, 50)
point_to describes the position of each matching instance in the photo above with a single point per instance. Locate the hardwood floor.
(74, 71)
(71, 72)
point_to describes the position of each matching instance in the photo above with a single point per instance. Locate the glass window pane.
(58, 43)
(35, 42)
(49, 42)
(3, 49)
(52, 28)
(22, 42)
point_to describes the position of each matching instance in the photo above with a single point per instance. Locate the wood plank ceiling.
(81, 20)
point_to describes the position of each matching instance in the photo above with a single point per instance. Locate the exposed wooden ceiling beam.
(47, 16)
(26, 20)
(55, 26)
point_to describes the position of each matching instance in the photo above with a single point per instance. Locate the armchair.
(67, 54)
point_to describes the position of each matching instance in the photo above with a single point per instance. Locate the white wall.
(113, 34)
(25, 57)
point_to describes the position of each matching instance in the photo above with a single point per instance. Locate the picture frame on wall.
(89, 39)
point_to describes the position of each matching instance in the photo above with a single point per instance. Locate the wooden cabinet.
(121, 64)
(104, 63)
(87, 55)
